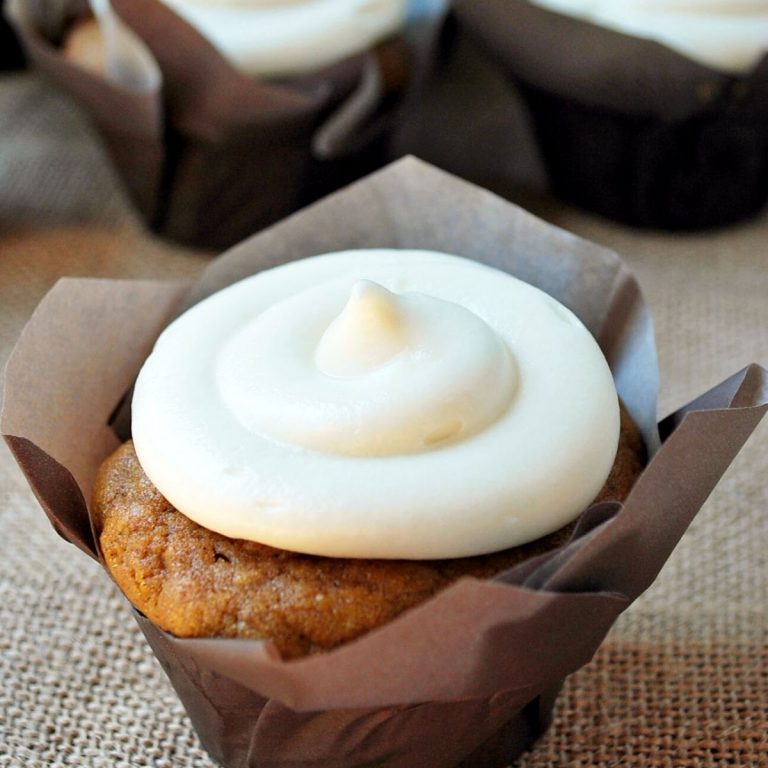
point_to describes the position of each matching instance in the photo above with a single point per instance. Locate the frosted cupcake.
(264, 38)
(314, 453)
(649, 112)
(222, 118)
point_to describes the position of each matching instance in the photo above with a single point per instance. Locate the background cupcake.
(651, 113)
(216, 130)
(282, 39)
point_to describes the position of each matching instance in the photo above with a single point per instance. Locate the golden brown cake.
(197, 583)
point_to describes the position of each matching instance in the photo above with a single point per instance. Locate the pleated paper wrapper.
(469, 677)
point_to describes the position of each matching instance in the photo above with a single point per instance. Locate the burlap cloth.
(670, 687)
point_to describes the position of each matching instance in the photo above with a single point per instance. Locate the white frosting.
(390, 375)
(290, 37)
(729, 35)
(394, 404)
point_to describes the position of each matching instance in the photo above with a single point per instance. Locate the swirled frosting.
(729, 35)
(290, 37)
(382, 403)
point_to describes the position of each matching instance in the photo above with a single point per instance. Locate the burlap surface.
(670, 687)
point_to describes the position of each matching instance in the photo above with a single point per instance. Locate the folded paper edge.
(311, 683)
(44, 471)
(50, 478)
(481, 19)
(732, 414)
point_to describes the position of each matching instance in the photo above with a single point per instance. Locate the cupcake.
(467, 676)
(314, 453)
(188, 95)
(650, 113)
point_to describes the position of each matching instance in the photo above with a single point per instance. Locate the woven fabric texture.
(682, 680)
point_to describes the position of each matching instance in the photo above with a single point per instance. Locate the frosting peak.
(368, 333)
(374, 374)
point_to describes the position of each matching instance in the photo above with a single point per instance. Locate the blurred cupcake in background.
(264, 38)
(650, 112)
(223, 116)
(279, 38)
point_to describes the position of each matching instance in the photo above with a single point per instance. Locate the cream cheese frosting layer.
(391, 374)
(728, 35)
(275, 38)
(378, 404)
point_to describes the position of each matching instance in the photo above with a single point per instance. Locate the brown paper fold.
(594, 65)
(55, 450)
(214, 155)
(467, 678)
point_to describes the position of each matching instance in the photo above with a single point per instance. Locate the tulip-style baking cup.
(627, 127)
(207, 154)
(469, 677)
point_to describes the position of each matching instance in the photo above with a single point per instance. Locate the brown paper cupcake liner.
(628, 128)
(467, 678)
(213, 155)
